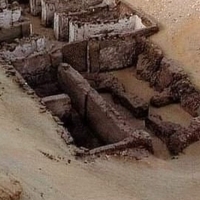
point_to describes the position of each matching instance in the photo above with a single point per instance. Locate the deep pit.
(80, 79)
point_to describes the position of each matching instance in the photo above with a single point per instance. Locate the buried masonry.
(74, 76)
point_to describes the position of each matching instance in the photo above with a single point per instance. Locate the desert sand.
(32, 151)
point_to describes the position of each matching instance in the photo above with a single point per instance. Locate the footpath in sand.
(33, 153)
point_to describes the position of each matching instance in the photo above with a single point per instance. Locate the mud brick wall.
(49, 7)
(127, 8)
(76, 55)
(9, 16)
(18, 30)
(103, 118)
(24, 48)
(100, 21)
(168, 77)
(107, 83)
(62, 19)
(35, 58)
(47, 11)
(149, 59)
(75, 86)
(38, 69)
(96, 22)
(101, 55)
(61, 26)
(82, 31)
(114, 54)
(35, 7)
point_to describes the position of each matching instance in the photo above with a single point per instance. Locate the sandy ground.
(179, 30)
(173, 112)
(25, 133)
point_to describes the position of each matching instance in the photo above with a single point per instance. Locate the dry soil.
(32, 151)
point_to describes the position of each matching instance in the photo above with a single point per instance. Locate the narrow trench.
(82, 134)
(160, 148)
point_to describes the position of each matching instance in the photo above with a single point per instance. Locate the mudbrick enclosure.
(79, 76)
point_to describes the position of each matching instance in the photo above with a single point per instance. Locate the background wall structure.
(101, 55)
(49, 7)
(35, 7)
(100, 115)
(98, 22)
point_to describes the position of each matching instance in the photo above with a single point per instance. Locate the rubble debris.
(10, 189)
(176, 137)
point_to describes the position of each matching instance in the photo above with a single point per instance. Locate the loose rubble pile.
(174, 135)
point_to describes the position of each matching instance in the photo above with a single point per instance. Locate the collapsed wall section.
(168, 77)
(60, 105)
(12, 23)
(176, 137)
(95, 22)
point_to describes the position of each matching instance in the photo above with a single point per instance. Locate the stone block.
(163, 130)
(56, 58)
(94, 49)
(117, 53)
(75, 54)
(35, 7)
(191, 103)
(59, 105)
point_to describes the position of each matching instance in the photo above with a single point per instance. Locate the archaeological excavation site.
(98, 90)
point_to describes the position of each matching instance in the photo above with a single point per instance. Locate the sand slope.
(33, 152)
